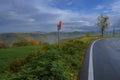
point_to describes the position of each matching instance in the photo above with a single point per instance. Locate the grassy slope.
(8, 55)
(76, 59)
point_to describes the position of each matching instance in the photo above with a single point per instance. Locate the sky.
(44, 15)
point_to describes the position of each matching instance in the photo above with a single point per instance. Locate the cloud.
(115, 7)
(35, 15)
(114, 14)
(114, 20)
(112, 10)
(77, 23)
(99, 7)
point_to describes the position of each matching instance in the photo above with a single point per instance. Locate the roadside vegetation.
(48, 62)
(10, 54)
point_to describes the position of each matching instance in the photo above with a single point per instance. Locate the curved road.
(102, 61)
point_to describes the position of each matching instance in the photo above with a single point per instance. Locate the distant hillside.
(10, 38)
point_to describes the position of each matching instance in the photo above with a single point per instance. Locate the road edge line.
(90, 67)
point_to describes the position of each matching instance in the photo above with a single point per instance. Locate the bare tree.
(103, 23)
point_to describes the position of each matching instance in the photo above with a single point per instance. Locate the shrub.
(29, 57)
(20, 43)
(73, 47)
(3, 45)
(49, 66)
(15, 65)
(87, 34)
(32, 42)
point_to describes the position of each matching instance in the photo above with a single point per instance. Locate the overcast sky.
(44, 15)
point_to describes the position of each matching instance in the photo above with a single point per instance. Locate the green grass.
(10, 54)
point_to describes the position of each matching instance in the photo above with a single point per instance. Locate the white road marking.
(90, 67)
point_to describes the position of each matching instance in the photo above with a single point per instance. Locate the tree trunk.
(102, 31)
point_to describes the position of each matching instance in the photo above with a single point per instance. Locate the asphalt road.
(102, 61)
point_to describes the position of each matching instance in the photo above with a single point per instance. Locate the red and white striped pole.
(59, 28)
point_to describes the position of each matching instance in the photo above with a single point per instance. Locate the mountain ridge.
(10, 38)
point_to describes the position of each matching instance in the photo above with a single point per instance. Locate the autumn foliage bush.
(3, 45)
(25, 43)
(33, 42)
(20, 43)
